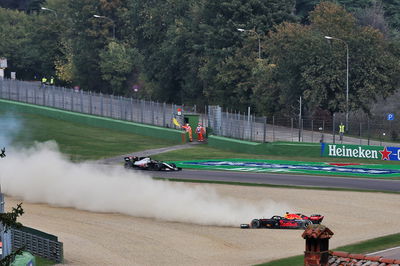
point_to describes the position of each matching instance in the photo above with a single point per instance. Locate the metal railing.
(37, 245)
(244, 126)
(117, 107)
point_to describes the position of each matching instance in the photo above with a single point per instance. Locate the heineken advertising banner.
(360, 151)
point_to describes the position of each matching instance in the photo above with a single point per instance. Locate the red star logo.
(385, 154)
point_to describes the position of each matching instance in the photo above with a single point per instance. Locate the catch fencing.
(45, 247)
(363, 131)
(117, 107)
(245, 126)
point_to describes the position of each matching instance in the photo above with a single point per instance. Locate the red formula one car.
(314, 218)
(291, 221)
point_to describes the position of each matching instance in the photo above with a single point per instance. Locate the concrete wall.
(90, 120)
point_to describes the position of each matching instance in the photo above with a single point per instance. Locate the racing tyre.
(306, 224)
(155, 167)
(255, 223)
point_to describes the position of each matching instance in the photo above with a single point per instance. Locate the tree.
(23, 5)
(308, 66)
(117, 62)
(373, 16)
(223, 46)
(392, 13)
(29, 42)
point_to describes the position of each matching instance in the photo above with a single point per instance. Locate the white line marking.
(373, 253)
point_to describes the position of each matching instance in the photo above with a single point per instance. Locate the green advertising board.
(360, 151)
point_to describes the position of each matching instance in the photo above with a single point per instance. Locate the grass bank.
(78, 141)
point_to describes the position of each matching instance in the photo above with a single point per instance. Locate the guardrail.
(37, 245)
(233, 124)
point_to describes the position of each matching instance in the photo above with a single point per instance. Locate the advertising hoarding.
(360, 151)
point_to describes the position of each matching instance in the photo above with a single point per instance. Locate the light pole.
(347, 78)
(48, 9)
(112, 21)
(259, 40)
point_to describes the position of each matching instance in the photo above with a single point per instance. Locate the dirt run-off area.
(114, 239)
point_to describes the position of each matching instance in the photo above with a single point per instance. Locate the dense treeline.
(187, 51)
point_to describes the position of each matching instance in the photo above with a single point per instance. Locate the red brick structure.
(317, 245)
(317, 251)
(340, 258)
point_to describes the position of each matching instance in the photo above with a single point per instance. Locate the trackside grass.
(199, 152)
(43, 262)
(368, 246)
(81, 142)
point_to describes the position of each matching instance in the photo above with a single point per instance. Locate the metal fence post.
(17, 86)
(273, 128)
(251, 127)
(44, 96)
(90, 103)
(131, 109)
(62, 98)
(81, 96)
(265, 129)
(101, 104)
(120, 108)
(312, 131)
(9, 90)
(34, 96)
(299, 125)
(164, 114)
(368, 130)
(141, 111)
(72, 100)
(152, 112)
(248, 119)
(111, 106)
(54, 97)
(26, 96)
(291, 128)
(333, 128)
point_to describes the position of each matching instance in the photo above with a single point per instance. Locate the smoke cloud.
(9, 126)
(41, 174)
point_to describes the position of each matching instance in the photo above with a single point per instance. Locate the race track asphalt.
(284, 179)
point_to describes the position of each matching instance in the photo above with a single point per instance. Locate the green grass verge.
(43, 262)
(82, 142)
(368, 246)
(204, 152)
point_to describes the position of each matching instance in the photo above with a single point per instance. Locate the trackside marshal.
(360, 152)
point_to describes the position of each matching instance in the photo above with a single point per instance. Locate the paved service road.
(391, 253)
(284, 179)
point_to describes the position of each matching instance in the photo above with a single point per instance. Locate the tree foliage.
(315, 69)
(191, 52)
